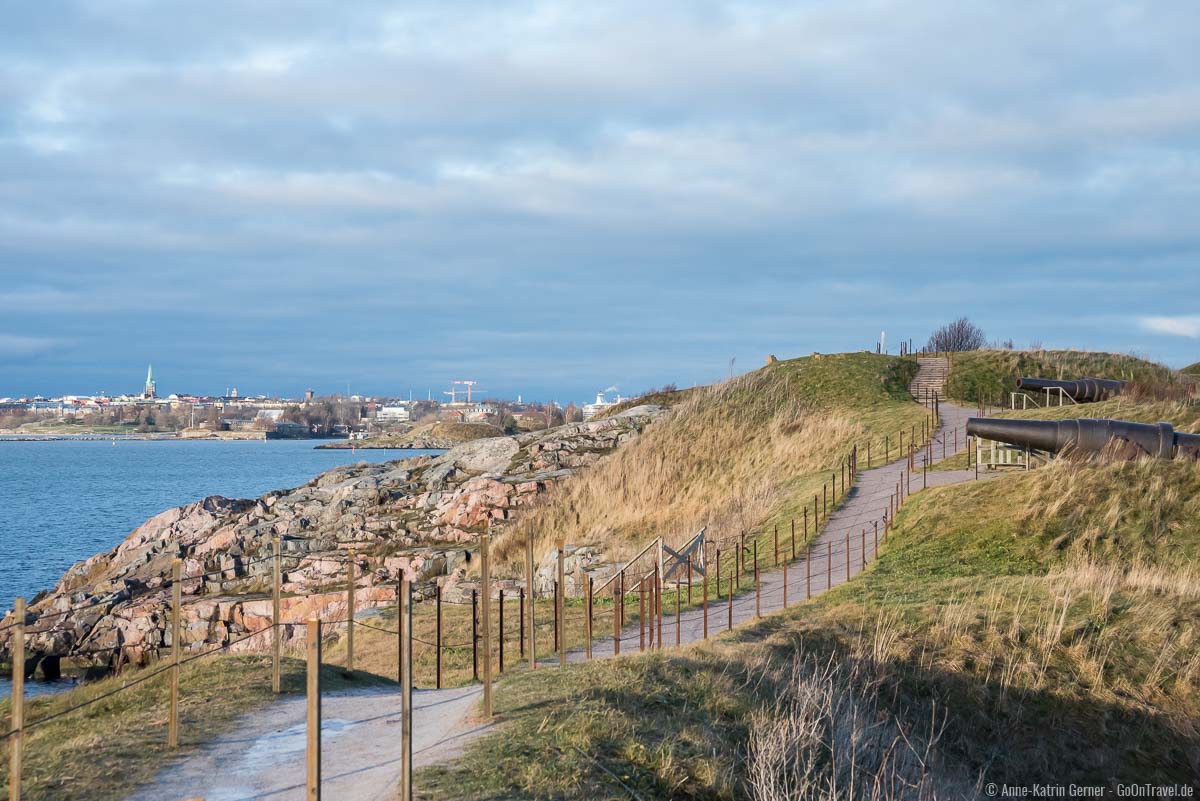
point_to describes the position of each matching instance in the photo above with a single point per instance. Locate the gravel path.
(263, 756)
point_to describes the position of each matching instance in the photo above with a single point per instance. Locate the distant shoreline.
(366, 444)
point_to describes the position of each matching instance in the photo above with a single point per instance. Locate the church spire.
(149, 392)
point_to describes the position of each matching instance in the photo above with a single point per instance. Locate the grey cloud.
(472, 179)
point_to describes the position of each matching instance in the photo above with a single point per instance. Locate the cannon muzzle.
(1159, 440)
(1085, 390)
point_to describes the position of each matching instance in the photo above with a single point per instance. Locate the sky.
(555, 198)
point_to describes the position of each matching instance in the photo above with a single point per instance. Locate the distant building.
(393, 414)
(590, 410)
(151, 390)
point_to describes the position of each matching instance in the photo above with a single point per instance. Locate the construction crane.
(454, 391)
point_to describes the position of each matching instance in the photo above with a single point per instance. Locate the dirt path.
(263, 756)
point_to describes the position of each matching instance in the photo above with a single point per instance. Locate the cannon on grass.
(1084, 390)
(1086, 436)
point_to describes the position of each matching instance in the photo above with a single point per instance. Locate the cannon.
(1087, 436)
(1085, 390)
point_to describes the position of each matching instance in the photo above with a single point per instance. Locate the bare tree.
(961, 334)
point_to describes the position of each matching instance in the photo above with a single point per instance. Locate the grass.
(1191, 369)
(1044, 626)
(990, 375)
(736, 457)
(104, 751)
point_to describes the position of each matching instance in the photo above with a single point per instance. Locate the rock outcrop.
(414, 517)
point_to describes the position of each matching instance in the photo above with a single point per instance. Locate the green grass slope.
(1191, 369)
(1040, 627)
(989, 375)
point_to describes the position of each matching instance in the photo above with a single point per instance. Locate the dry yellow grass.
(730, 456)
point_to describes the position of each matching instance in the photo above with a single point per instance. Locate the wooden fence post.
(554, 604)
(176, 628)
(794, 538)
(776, 545)
(847, 555)
(863, 553)
(805, 524)
(475, 635)
(532, 601)
(704, 601)
(658, 588)
(618, 601)
(276, 633)
(562, 603)
(485, 579)
(400, 633)
(406, 707)
(522, 627)
(875, 553)
(829, 565)
(588, 633)
(642, 615)
(500, 629)
(313, 705)
(678, 616)
(731, 601)
(437, 634)
(18, 700)
(350, 613)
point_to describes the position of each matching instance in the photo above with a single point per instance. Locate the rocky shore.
(414, 516)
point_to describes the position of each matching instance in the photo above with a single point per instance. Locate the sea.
(62, 501)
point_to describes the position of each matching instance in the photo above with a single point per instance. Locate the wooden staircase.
(930, 377)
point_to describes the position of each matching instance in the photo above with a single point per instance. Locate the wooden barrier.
(561, 604)
(588, 624)
(437, 634)
(731, 601)
(406, 707)
(350, 613)
(276, 627)
(176, 630)
(313, 708)
(18, 700)
(485, 581)
(532, 601)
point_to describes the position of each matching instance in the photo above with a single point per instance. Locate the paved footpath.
(262, 757)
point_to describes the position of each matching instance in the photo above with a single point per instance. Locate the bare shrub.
(830, 735)
(961, 334)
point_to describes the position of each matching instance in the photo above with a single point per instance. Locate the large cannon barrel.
(1087, 436)
(1084, 390)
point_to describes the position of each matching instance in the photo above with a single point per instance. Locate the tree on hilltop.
(962, 334)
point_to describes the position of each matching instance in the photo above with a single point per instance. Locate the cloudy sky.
(554, 198)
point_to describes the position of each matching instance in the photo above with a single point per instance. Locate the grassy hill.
(989, 375)
(1043, 626)
(731, 456)
(1191, 369)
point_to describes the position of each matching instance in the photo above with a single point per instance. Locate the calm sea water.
(62, 501)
